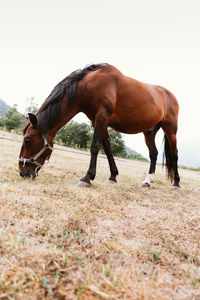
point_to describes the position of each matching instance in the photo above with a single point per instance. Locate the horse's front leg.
(94, 150)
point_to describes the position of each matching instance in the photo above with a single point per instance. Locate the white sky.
(156, 41)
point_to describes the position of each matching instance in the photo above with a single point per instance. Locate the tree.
(83, 136)
(74, 134)
(66, 134)
(1, 122)
(13, 119)
(117, 143)
(78, 135)
(31, 106)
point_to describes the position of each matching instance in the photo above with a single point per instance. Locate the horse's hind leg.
(111, 161)
(153, 153)
(171, 154)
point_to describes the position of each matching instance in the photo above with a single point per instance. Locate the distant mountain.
(132, 154)
(3, 108)
(131, 151)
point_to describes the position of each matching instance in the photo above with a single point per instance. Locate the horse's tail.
(168, 159)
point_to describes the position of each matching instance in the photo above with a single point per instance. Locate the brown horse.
(108, 98)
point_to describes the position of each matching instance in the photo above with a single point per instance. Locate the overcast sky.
(155, 41)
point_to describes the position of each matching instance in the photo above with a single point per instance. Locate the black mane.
(49, 113)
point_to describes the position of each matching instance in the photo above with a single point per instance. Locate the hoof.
(83, 184)
(176, 187)
(145, 185)
(110, 182)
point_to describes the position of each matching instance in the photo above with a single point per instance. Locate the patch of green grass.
(154, 256)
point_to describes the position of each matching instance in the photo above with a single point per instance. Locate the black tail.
(167, 156)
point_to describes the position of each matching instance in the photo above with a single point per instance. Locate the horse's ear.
(33, 120)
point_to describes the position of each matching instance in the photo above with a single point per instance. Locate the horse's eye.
(27, 141)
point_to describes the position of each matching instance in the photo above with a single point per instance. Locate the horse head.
(35, 149)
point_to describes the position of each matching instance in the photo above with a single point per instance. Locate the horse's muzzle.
(27, 174)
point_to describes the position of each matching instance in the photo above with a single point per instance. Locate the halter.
(33, 160)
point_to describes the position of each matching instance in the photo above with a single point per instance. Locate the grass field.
(58, 241)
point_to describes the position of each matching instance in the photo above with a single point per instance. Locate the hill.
(131, 151)
(3, 108)
(118, 241)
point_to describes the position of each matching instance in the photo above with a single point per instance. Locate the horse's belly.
(133, 124)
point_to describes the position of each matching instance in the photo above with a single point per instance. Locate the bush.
(117, 143)
(136, 156)
(78, 135)
(12, 120)
(75, 135)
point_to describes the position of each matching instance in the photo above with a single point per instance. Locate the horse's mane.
(49, 113)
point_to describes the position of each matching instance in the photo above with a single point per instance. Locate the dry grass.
(108, 242)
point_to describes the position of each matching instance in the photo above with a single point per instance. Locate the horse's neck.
(67, 113)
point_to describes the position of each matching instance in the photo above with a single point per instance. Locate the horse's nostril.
(25, 174)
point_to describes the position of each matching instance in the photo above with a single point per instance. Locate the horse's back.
(98, 90)
(138, 106)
